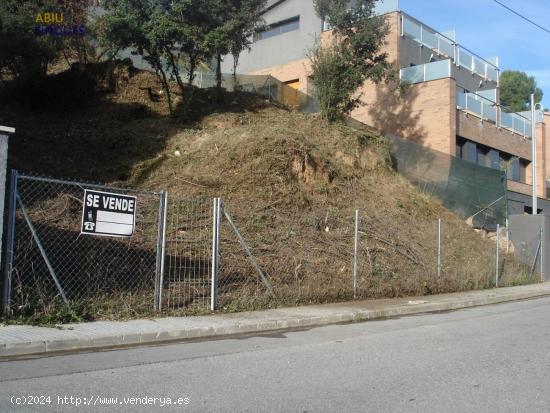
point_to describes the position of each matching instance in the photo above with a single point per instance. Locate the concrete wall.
(517, 201)
(284, 48)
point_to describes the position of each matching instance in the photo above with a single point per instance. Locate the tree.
(231, 26)
(353, 56)
(191, 17)
(246, 21)
(515, 90)
(144, 26)
(25, 56)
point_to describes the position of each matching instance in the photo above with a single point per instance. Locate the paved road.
(494, 359)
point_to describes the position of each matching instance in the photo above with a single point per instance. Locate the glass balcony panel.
(411, 29)
(461, 100)
(490, 95)
(490, 112)
(465, 59)
(446, 47)
(479, 67)
(437, 70)
(518, 124)
(429, 39)
(413, 74)
(474, 105)
(506, 120)
(492, 73)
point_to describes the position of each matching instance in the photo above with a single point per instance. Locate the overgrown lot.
(291, 181)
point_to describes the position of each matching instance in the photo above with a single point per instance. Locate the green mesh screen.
(463, 187)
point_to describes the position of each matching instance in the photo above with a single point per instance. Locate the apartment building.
(452, 104)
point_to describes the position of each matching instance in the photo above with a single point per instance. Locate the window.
(515, 170)
(278, 28)
(469, 152)
(483, 158)
(495, 159)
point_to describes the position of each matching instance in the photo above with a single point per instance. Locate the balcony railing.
(488, 110)
(448, 47)
(426, 72)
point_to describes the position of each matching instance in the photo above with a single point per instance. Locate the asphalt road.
(494, 359)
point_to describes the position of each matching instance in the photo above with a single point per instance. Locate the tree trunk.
(193, 58)
(165, 85)
(235, 64)
(175, 71)
(219, 71)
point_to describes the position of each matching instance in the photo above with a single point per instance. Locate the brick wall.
(425, 113)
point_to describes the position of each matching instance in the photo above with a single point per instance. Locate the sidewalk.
(29, 340)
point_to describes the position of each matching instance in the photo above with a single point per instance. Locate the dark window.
(494, 159)
(278, 28)
(483, 156)
(471, 152)
(514, 166)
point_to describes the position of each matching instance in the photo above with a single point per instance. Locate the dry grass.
(291, 182)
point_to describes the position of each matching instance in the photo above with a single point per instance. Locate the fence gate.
(50, 259)
(187, 280)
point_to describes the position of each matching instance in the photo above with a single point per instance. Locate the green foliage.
(515, 90)
(335, 81)
(144, 26)
(172, 34)
(231, 25)
(24, 56)
(354, 56)
(246, 21)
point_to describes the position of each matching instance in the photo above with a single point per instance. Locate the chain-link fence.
(188, 255)
(50, 261)
(317, 261)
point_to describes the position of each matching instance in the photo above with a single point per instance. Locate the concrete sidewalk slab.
(20, 340)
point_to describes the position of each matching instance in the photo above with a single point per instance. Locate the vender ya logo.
(53, 24)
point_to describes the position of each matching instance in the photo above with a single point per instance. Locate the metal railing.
(445, 46)
(488, 110)
(426, 72)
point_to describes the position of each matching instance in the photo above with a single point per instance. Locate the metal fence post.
(439, 248)
(161, 248)
(215, 252)
(497, 258)
(507, 236)
(355, 253)
(8, 264)
(541, 255)
(4, 140)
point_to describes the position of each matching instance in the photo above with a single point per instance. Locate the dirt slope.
(291, 181)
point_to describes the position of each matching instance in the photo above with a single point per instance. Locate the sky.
(488, 29)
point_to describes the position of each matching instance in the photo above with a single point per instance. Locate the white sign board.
(108, 214)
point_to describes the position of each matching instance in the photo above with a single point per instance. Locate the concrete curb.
(19, 341)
